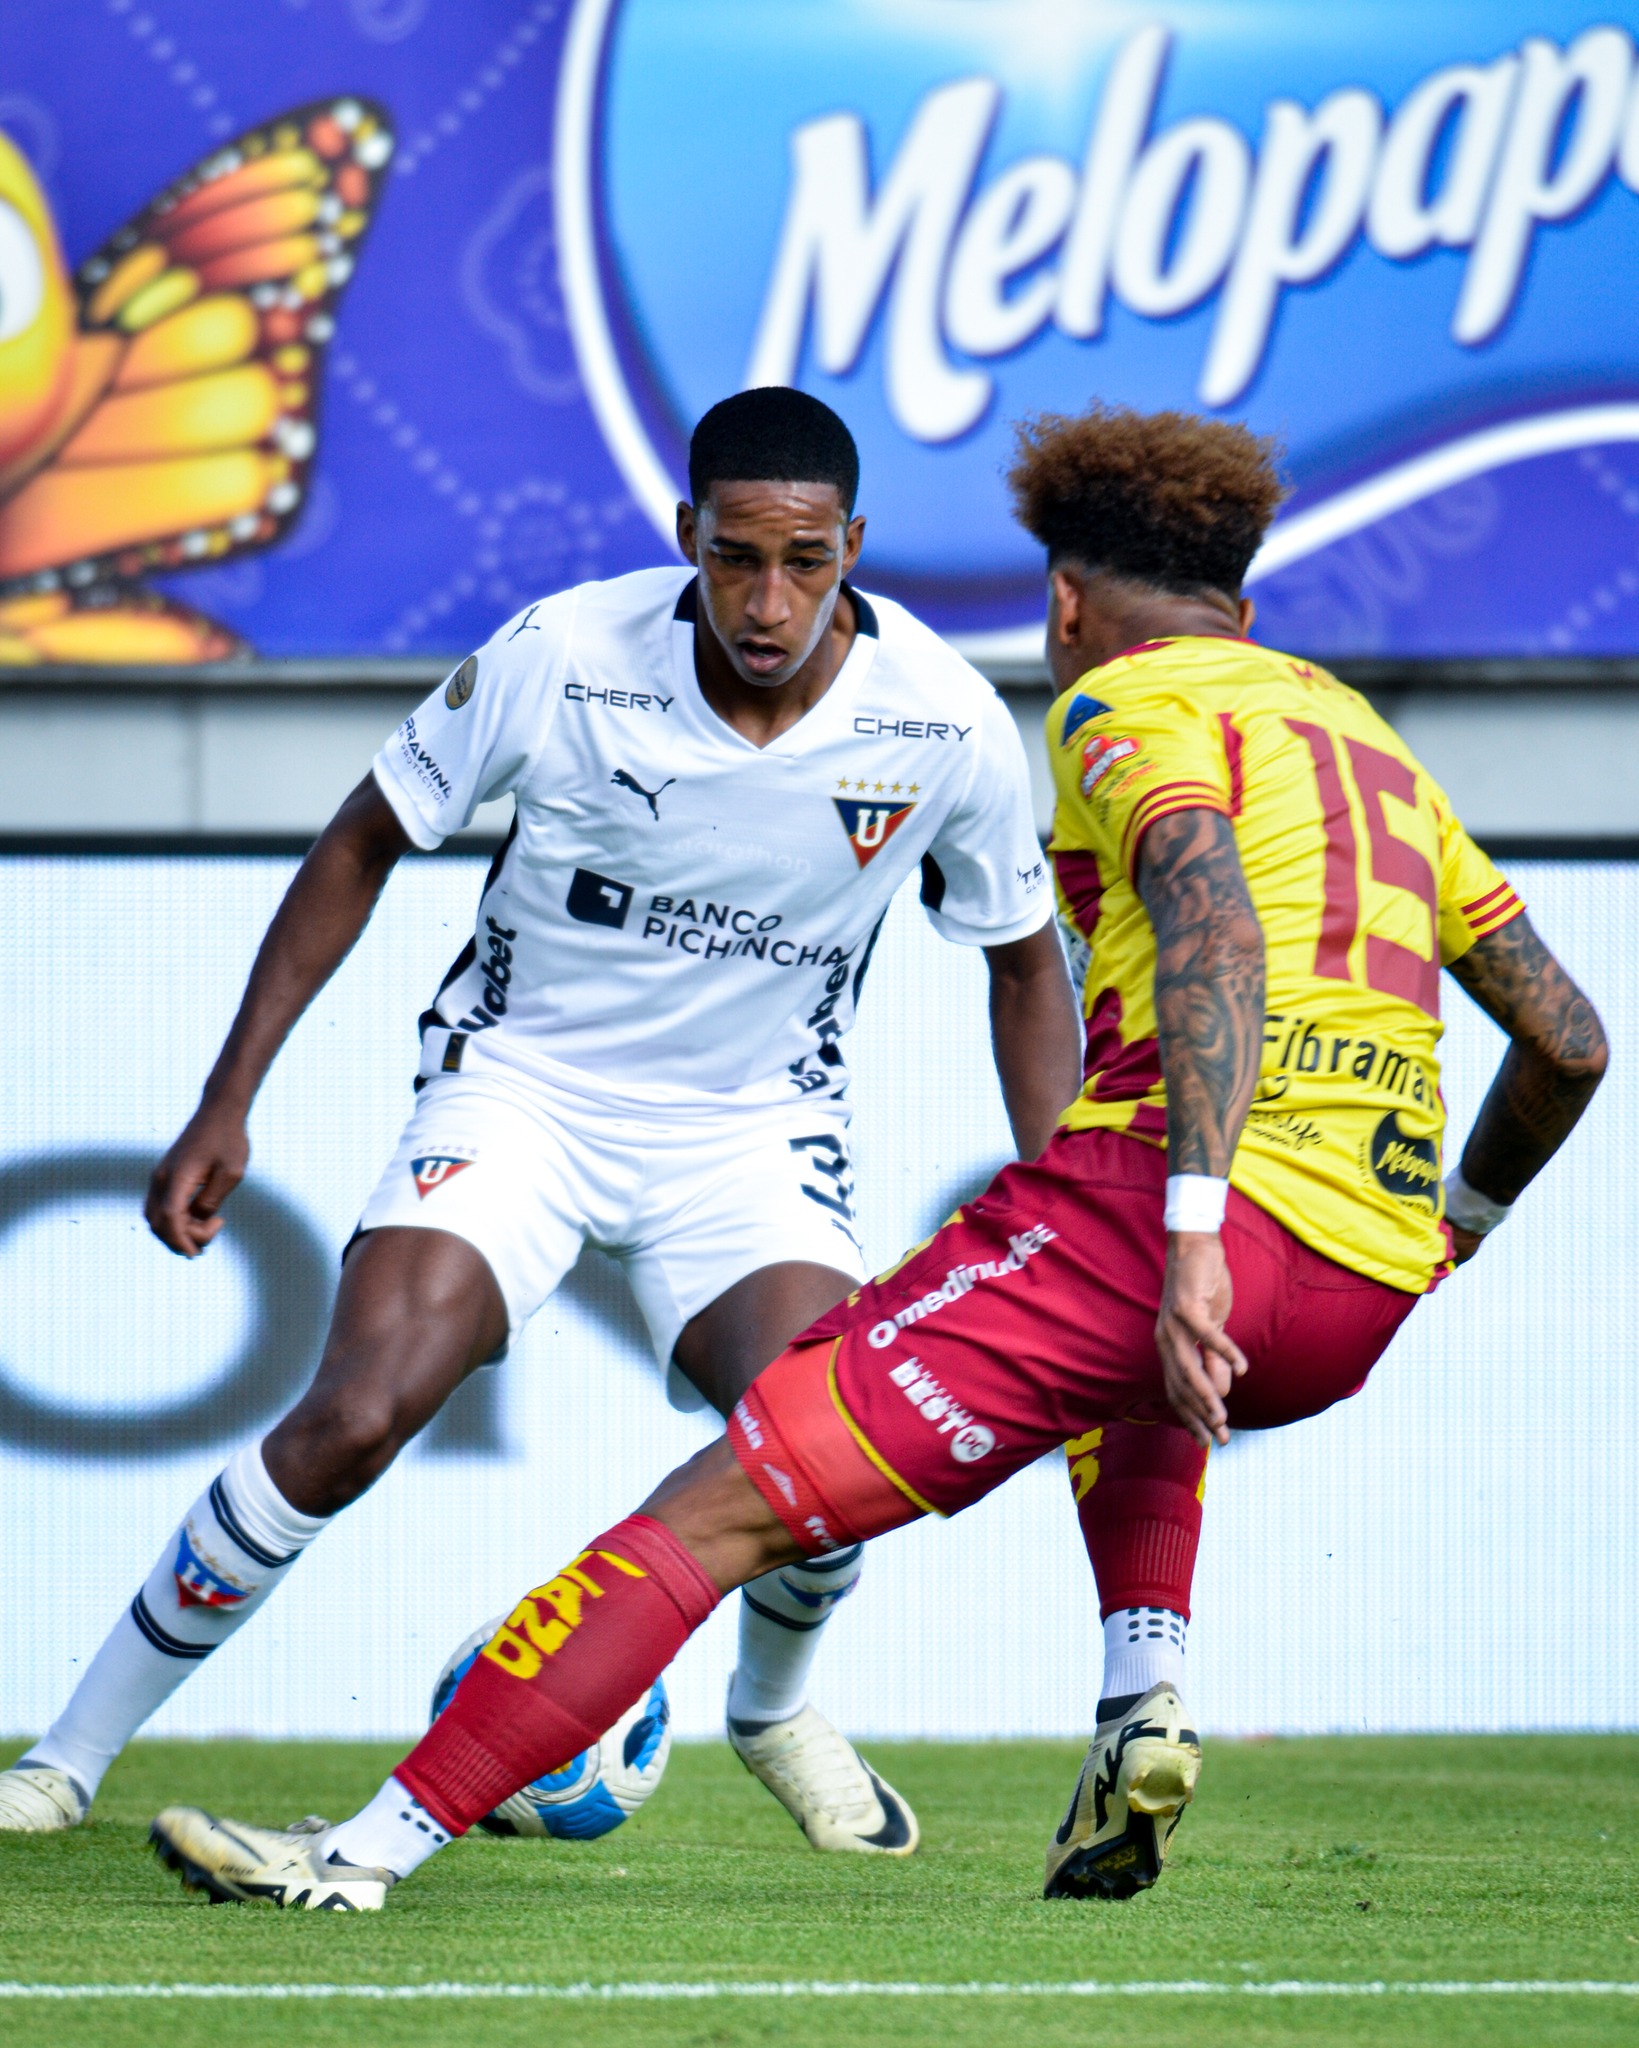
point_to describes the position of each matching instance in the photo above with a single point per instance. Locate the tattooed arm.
(1549, 1073)
(1209, 1019)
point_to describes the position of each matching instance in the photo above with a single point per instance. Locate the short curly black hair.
(773, 435)
(1166, 498)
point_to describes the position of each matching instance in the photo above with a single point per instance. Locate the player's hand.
(195, 1178)
(1464, 1243)
(1200, 1362)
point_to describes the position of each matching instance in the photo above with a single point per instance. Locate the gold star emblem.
(860, 787)
(913, 788)
(878, 790)
(894, 788)
(842, 782)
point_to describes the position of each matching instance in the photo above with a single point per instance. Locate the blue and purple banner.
(347, 326)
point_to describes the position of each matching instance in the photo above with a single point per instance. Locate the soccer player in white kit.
(722, 775)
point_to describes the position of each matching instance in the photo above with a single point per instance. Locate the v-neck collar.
(818, 724)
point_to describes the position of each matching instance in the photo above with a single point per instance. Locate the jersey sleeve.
(1133, 763)
(984, 878)
(476, 737)
(1476, 898)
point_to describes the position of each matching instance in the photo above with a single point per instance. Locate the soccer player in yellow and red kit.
(1364, 884)
(1235, 1216)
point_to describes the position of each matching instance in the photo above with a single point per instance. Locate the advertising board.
(353, 327)
(1455, 1548)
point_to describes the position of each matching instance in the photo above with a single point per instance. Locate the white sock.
(1143, 1646)
(234, 1545)
(394, 1832)
(782, 1616)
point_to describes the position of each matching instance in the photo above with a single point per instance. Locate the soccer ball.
(595, 1791)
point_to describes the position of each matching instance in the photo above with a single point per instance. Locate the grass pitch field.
(1345, 1862)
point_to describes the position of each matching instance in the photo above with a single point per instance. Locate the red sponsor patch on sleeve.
(1100, 755)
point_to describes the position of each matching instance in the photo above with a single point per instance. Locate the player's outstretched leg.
(415, 1310)
(571, 1655)
(1138, 1489)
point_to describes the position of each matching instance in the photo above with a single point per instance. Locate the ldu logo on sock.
(199, 1581)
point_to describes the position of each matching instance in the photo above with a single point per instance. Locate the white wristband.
(1469, 1209)
(1195, 1201)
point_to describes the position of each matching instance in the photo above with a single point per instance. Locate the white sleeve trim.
(961, 934)
(419, 833)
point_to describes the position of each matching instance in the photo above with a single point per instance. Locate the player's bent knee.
(721, 1519)
(337, 1445)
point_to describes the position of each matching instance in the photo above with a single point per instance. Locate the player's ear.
(1066, 606)
(688, 545)
(1248, 611)
(853, 540)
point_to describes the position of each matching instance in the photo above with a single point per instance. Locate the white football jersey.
(677, 914)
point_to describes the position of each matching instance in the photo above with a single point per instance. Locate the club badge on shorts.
(431, 1173)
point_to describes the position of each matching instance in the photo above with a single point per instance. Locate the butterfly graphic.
(158, 408)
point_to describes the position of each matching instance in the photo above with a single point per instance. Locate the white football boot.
(1139, 1775)
(37, 1799)
(825, 1785)
(229, 1861)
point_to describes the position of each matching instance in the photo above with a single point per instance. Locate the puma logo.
(650, 796)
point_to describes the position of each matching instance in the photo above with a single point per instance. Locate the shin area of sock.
(1138, 1496)
(566, 1663)
(782, 1618)
(233, 1548)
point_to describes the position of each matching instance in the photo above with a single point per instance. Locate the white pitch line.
(1296, 1987)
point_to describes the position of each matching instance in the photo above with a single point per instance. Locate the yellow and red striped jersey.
(1365, 885)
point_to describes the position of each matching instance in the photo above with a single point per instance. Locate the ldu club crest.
(432, 1173)
(200, 1581)
(870, 826)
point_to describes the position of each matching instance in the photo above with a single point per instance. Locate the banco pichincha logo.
(1405, 237)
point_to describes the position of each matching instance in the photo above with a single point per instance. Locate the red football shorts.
(1027, 1320)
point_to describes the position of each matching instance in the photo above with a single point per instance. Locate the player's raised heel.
(37, 1799)
(230, 1863)
(826, 1786)
(1139, 1774)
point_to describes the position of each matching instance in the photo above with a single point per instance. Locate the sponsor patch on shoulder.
(462, 684)
(1101, 755)
(1082, 708)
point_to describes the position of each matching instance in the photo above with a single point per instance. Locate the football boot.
(1139, 1775)
(825, 1785)
(38, 1799)
(229, 1861)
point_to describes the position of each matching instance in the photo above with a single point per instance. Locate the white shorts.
(527, 1174)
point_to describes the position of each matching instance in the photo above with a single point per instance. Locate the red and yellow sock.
(566, 1663)
(1138, 1489)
